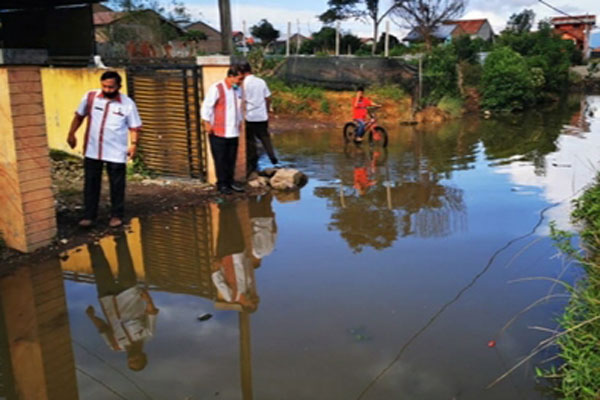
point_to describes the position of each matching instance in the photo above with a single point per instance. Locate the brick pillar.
(28, 218)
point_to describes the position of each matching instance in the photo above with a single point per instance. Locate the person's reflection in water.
(129, 310)
(233, 267)
(264, 228)
(363, 173)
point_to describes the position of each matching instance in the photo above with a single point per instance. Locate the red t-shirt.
(359, 107)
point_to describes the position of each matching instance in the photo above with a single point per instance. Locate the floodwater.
(387, 276)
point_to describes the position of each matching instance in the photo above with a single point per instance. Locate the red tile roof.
(470, 26)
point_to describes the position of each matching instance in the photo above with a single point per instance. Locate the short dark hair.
(360, 89)
(234, 70)
(111, 75)
(246, 68)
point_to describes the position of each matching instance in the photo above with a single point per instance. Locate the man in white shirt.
(222, 118)
(111, 117)
(257, 103)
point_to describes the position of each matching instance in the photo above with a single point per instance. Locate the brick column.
(28, 218)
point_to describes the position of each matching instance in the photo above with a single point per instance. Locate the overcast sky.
(279, 12)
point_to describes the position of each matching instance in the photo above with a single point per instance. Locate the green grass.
(391, 92)
(451, 105)
(578, 378)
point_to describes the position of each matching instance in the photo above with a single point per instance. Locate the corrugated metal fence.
(168, 99)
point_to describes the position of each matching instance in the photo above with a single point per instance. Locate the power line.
(558, 10)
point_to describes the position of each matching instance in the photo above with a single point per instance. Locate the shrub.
(451, 105)
(439, 74)
(506, 81)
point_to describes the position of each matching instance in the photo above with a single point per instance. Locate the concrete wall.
(63, 89)
(28, 218)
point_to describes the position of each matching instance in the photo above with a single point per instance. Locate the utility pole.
(287, 41)
(337, 39)
(298, 37)
(226, 39)
(387, 39)
(245, 42)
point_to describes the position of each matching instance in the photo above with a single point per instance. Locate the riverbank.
(579, 376)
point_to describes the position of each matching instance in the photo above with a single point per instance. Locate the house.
(443, 33)
(476, 28)
(146, 25)
(576, 28)
(296, 41)
(212, 44)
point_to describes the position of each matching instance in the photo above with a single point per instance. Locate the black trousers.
(93, 184)
(260, 131)
(105, 281)
(224, 152)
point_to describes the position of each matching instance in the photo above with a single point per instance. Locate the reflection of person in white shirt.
(129, 310)
(233, 268)
(264, 228)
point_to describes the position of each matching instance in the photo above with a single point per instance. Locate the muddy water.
(386, 277)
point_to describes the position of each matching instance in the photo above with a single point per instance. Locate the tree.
(265, 32)
(393, 42)
(507, 82)
(425, 16)
(521, 22)
(358, 9)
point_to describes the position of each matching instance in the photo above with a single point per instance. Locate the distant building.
(296, 41)
(443, 33)
(139, 24)
(576, 28)
(212, 44)
(476, 28)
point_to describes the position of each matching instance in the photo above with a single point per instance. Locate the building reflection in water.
(36, 356)
(207, 251)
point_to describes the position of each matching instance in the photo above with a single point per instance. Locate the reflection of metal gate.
(178, 259)
(168, 99)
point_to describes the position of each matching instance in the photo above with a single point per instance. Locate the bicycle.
(377, 135)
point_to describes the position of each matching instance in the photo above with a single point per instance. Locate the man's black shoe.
(225, 190)
(237, 187)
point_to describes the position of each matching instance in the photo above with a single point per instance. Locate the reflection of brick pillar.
(38, 333)
(28, 219)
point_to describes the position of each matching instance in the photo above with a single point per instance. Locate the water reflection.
(129, 312)
(36, 357)
(210, 252)
(376, 205)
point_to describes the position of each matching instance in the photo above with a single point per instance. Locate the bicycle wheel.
(350, 132)
(378, 137)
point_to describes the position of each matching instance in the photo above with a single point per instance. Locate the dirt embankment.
(328, 109)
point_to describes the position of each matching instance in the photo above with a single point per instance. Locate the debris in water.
(205, 317)
(492, 343)
(64, 241)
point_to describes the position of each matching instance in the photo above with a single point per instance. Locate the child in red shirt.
(359, 111)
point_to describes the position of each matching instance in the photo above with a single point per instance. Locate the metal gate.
(168, 100)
